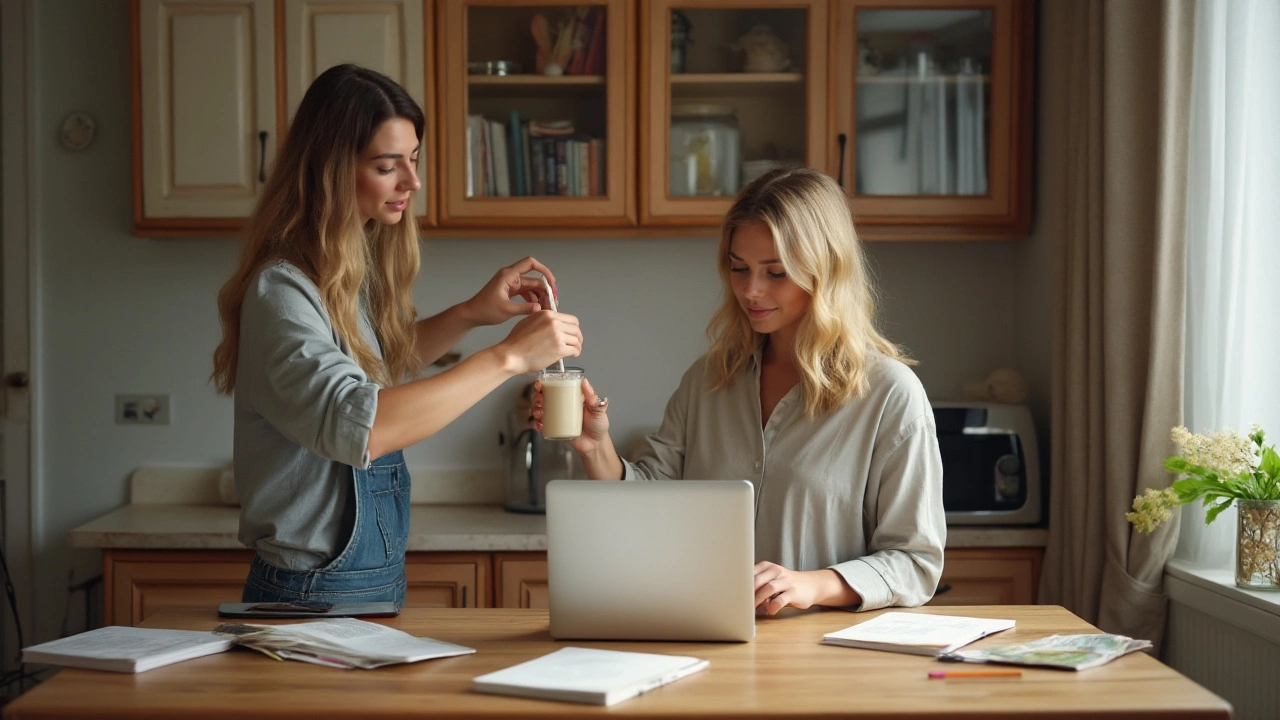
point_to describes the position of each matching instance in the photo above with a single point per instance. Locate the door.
(728, 90)
(528, 142)
(387, 36)
(206, 110)
(16, 153)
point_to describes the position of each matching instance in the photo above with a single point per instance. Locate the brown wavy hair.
(811, 221)
(307, 215)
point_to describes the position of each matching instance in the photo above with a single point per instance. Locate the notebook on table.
(660, 560)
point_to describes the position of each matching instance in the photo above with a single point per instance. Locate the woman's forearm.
(603, 462)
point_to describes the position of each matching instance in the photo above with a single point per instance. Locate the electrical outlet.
(143, 409)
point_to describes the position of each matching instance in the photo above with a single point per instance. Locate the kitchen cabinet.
(204, 112)
(522, 147)
(923, 110)
(989, 576)
(933, 116)
(139, 582)
(388, 36)
(728, 90)
(520, 580)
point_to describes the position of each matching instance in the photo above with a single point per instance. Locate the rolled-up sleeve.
(904, 560)
(311, 390)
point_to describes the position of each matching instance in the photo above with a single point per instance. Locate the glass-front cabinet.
(535, 114)
(933, 110)
(729, 90)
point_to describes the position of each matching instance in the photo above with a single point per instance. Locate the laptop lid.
(659, 560)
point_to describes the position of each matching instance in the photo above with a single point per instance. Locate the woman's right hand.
(595, 418)
(541, 339)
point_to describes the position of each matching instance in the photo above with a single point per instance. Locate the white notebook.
(126, 649)
(600, 677)
(916, 633)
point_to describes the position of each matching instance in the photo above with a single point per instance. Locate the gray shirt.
(303, 410)
(857, 490)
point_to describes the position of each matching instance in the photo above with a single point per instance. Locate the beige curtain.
(1122, 69)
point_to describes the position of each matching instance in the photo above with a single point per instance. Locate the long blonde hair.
(809, 217)
(308, 216)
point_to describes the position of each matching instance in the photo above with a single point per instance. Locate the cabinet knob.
(17, 380)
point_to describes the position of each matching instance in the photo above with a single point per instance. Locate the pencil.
(1003, 672)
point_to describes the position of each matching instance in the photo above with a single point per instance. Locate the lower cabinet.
(520, 580)
(989, 576)
(139, 582)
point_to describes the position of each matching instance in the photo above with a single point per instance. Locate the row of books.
(532, 158)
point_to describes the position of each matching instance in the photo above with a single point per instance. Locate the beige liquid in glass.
(562, 404)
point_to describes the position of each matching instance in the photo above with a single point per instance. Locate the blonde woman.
(321, 345)
(801, 395)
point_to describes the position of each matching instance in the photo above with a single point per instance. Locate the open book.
(1065, 652)
(125, 649)
(600, 677)
(339, 642)
(916, 633)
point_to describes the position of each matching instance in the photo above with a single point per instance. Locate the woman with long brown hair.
(803, 396)
(321, 345)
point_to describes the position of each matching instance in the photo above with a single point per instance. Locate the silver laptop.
(662, 560)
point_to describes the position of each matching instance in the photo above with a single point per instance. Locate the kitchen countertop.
(432, 528)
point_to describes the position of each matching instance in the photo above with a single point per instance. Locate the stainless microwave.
(990, 467)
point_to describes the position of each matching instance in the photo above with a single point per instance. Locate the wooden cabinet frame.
(656, 208)
(1006, 210)
(616, 208)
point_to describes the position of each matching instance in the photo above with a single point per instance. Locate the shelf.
(534, 85)
(692, 84)
(916, 79)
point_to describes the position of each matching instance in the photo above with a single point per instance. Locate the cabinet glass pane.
(923, 102)
(737, 97)
(536, 110)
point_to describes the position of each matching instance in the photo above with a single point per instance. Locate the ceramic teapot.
(763, 51)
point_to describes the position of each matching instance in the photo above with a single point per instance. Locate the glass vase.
(1258, 544)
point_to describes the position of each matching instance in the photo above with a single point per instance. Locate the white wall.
(116, 313)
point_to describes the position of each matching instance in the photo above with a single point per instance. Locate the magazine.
(1065, 652)
(125, 649)
(339, 642)
(916, 633)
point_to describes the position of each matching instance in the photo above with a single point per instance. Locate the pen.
(1008, 672)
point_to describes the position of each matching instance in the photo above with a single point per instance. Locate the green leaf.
(1270, 465)
(1216, 510)
(1177, 465)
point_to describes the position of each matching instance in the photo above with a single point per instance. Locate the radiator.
(1227, 642)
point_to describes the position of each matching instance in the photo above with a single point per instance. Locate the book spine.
(539, 165)
(594, 64)
(516, 152)
(527, 161)
(562, 167)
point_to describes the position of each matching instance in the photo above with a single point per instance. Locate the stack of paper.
(125, 649)
(916, 633)
(601, 677)
(341, 643)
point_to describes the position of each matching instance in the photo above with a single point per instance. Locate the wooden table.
(784, 672)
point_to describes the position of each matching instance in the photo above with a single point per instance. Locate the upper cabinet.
(537, 115)
(729, 91)
(386, 36)
(606, 117)
(933, 117)
(204, 111)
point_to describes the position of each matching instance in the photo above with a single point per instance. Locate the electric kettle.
(530, 461)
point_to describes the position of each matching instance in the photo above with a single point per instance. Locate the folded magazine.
(1065, 652)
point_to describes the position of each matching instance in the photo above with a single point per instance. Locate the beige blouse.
(857, 490)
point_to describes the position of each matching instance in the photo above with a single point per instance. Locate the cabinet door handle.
(464, 596)
(262, 156)
(841, 139)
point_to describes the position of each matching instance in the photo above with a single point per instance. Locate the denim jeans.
(371, 566)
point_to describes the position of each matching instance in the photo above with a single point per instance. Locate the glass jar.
(705, 150)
